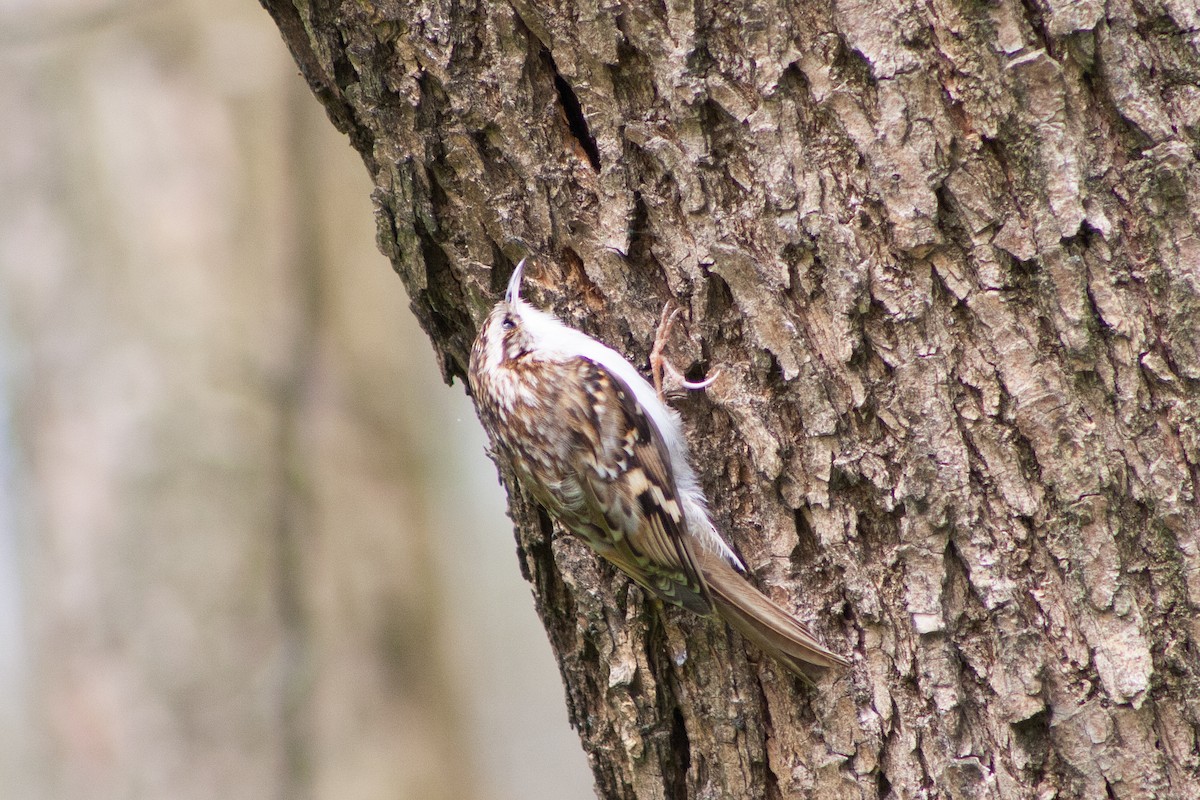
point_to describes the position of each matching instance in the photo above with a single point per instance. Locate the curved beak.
(513, 293)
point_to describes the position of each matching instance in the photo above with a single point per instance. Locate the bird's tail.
(755, 616)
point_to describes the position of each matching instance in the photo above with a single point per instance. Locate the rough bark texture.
(946, 257)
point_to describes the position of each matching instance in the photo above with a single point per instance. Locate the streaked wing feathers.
(628, 482)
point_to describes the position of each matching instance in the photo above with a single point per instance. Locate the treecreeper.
(595, 444)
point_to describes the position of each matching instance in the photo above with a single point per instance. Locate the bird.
(595, 444)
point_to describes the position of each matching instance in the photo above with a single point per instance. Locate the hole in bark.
(1024, 271)
(545, 525)
(683, 754)
(538, 549)
(588, 654)
(806, 539)
(882, 785)
(344, 74)
(1033, 736)
(639, 229)
(851, 65)
(720, 296)
(774, 375)
(574, 114)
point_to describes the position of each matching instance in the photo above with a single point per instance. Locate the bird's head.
(513, 328)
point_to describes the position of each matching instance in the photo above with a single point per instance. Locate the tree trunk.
(946, 258)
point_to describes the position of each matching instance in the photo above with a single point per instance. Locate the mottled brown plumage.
(589, 438)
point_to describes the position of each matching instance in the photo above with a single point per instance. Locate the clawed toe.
(659, 363)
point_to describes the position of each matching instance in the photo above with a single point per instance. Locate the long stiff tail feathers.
(759, 619)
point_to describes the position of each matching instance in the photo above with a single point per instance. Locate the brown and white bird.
(590, 439)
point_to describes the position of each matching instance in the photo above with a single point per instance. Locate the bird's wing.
(627, 481)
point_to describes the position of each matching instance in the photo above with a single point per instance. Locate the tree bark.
(946, 258)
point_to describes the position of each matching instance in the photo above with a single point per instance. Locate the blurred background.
(250, 545)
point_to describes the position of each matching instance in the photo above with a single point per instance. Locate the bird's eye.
(508, 323)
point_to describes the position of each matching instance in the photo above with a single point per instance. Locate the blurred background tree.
(249, 546)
